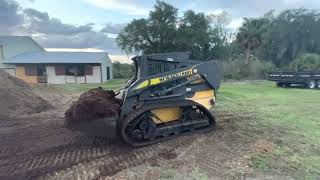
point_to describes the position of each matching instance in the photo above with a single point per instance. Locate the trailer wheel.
(318, 84)
(311, 84)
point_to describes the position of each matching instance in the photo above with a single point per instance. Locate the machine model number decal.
(179, 74)
(158, 80)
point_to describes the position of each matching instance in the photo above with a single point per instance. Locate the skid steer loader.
(170, 95)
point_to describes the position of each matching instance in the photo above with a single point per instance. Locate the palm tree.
(250, 35)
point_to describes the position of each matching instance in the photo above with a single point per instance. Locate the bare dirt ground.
(37, 146)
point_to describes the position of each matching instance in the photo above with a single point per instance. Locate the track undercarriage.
(140, 129)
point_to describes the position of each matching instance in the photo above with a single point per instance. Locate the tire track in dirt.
(46, 150)
(121, 158)
(231, 147)
(208, 151)
(52, 159)
(49, 151)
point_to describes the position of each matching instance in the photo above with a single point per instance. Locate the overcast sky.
(95, 23)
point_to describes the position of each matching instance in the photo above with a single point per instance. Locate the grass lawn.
(288, 117)
(112, 84)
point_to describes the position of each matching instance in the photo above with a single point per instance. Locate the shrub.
(306, 62)
(238, 69)
(123, 71)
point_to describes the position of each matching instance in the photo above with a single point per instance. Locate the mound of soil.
(17, 97)
(94, 104)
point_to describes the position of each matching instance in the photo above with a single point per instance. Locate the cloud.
(90, 39)
(51, 32)
(9, 15)
(123, 6)
(41, 22)
(79, 40)
(235, 23)
(215, 11)
(113, 28)
(248, 8)
(238, 9)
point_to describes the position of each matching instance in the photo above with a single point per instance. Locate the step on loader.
(170, 95)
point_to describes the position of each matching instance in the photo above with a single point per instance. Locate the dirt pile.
(17, 97)
(94, 104)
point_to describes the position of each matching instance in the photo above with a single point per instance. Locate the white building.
(22, 57)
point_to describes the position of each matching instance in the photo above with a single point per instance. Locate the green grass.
(112, 84)
(260, 162)
(168, 174)
(293, 118)
(171, 174)
(197, 174)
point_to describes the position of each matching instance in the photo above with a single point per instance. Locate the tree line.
(281, 38)
(286, 40)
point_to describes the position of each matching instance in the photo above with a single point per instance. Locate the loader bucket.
(96, 113)
(103, 127)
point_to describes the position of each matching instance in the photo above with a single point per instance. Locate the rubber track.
(131, 117)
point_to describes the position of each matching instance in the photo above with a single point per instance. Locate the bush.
(306, 62)
(238, 69)
(123, 71)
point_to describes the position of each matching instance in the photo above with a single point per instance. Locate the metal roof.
(15, 45)
(58, 57)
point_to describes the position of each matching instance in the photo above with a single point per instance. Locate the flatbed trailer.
(310, 80)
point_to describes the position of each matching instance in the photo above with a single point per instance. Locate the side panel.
(80, 80)
(293, 77)
(211, 72)
(104, 71)
(205, 98)
(164, 115)
(106, 63)
(96, 75)
(21, 74)
(70, 79)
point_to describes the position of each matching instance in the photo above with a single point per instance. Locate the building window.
(108, 73)
(35, 70)
(60, 71)
(41, 70)
(74, 70)
(31, 70)
(88, 70)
